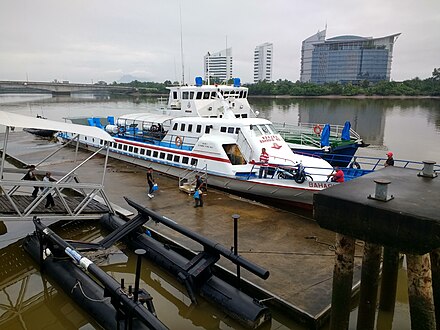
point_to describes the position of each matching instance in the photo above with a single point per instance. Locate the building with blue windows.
(346, 59)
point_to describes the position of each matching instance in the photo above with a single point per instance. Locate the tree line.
(413, 87)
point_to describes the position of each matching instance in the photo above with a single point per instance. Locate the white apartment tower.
(263, 56)
(218, 65)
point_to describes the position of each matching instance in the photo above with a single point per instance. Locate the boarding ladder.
(187, 180)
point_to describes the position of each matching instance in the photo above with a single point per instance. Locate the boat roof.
(146, 116)
(208, 87)
(216, 120)
(16, 120)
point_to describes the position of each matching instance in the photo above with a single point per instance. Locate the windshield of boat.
(263, 129)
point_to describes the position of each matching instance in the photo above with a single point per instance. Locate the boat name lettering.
(269, 138)
(320, 184)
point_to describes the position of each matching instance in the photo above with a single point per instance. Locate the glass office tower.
(348, 59)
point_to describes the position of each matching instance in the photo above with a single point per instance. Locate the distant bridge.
(62, 88)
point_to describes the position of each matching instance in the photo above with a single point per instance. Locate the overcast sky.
(91, 40)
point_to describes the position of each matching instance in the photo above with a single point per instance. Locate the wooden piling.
(388, 287)
(342, 282)
(435, 269)
(421, 303)
(369, 286)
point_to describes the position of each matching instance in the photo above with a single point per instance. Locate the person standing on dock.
(49, 199)
(30, 175)
(390, 159)
(264, 163)
(198, 193)
(150, 181)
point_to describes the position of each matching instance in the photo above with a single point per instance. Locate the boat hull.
(299, 195)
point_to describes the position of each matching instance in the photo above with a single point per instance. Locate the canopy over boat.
(16, 120)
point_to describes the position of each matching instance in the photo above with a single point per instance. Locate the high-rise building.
(263, 57)
(218, 65)
(346, 59)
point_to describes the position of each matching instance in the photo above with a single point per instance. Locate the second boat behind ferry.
(226, 147)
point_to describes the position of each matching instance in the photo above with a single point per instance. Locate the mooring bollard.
(342, 282)
(369, 286)
(421, 304)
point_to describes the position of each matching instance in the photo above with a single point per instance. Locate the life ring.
(121, 129)
(178, 141)
(317, 129)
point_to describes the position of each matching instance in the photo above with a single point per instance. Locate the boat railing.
(187, 180)
(297, 132)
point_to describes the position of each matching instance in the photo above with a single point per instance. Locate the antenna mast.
(181, 46)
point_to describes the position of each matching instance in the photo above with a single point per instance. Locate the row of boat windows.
(189, 128)
(151, 153)
(209, 95)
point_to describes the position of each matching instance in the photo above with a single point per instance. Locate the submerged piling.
(421, 302)
(369, 286)
(435, 269)
(342, 282)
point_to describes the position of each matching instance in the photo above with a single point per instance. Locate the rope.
(78, 284)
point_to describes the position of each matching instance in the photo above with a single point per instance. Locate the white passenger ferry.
(212, 129)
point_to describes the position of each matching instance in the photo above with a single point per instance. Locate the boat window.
(194, 161)
(206, 95)
(119, 146)
(230, 130)
(272, 129)
(185, 95)
(244, 115)
(130, 149)
(244, 94)
(185, 160)
(136, 150)
(208, 129)
(199, 95)
(191, 95)
(237, 130)
(176, 158)
(100, 142)
(155, 153)
(190, 127)
(169, 156)
(264, 129)
(213, 95)
(148, 152)
(223, 129)
(125, 147)
(182, 127)
(241, 94)
(234, 154)
(237, 116)
(175, 127)
(175, 95)
(226, 94)
(256, 130)
(199, 128)
(142, 151)
(162, 155)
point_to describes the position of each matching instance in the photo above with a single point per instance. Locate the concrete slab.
(410, 221)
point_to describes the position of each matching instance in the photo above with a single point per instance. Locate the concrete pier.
(401, 218)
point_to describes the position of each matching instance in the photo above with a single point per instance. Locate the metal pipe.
(207, 243)
(112, 286)
(236, 217)
(139, 253)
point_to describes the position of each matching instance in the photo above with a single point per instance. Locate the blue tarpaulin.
(346, 131)
(325, 136)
